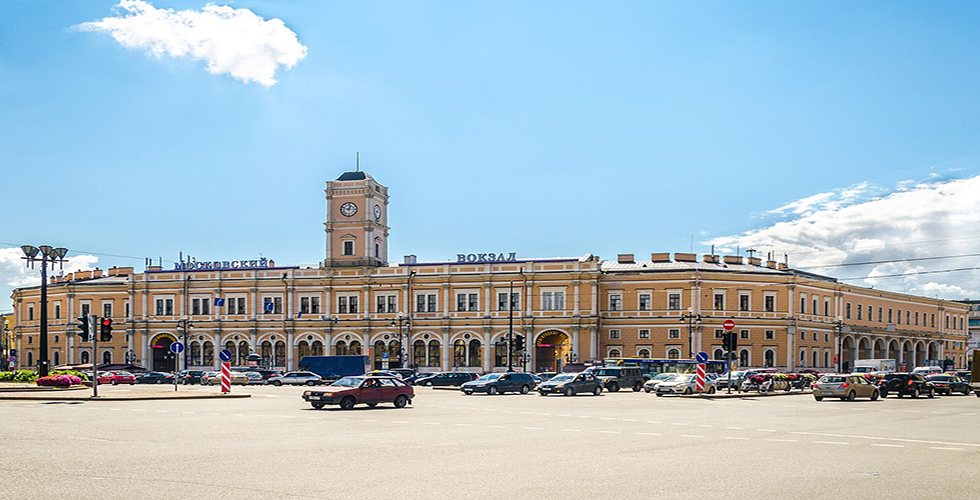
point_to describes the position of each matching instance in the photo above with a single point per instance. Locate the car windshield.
(489, 376)
(939, 378)
(831, 380)
(607, 372)
(124, 374)
(348, 382)
(683, 378)
(564, 377)
(895, 376)
(665, 376)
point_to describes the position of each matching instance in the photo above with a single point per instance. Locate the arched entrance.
(162, 359)
(552, 351)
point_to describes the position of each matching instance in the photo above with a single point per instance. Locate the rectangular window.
(719, 334)
(86, 310)
(802, 335)
(546, 301)
(347, 304)
(743, 302)
(615, 302)
(559, 301)
(382, 304)
(814, 336)
(770, 334)
(916, 318)
(304, 305)
(474, 302)
(803, 304)
(432, 303)
(315, 305)
(460, 302)
(826, 308)
(126, 309)
(467, 302)
(515, 301)
(644, 334)
(195, 307)
(880, 314)
(348, 248)
(644, 301)
(847, 310)
(870, 313)
(552, 301)
(30, 313)
(859, 309)
(770, 303)
(744, 334)
(673, 333)
(908, 316)
(815, 310)
(889, 315)
(420, 303)
(342, 305)
(826, 337)
(165, 307)
(270, 305)
(614, 334)
(674, 301)
(352, 304)
(898, 316)
(57, 311)
(159, 308)
(392, 303)
(719, 302)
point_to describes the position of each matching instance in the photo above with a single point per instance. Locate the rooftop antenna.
(712, 250)
(752, 252)
(692, 242)
(357, 161)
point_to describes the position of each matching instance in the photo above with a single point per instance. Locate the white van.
(927, 370)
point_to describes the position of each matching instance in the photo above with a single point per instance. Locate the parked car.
(295, 378)
(845, 387)
(403, 373)
(116, 378)
(446, 379)
(190, 376)
(237, 378)
(266, 374)
(616, 377)
(412, 379)
(255, 378)
(737, 378)
(685, 383)
(155, 378)
(546, 376)
(499, 383)
(651, 385)
(948, 384)
(927, 370)
(384, 373)
(571, 384)
(369, 390)
(902, 384)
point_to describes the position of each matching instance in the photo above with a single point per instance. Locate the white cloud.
(867, 223)
(232, 41)
(14, 274)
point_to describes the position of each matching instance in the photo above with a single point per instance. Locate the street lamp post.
(183, 325)
(52, 256)
(399, 321)
(838, 329)
(691, 318)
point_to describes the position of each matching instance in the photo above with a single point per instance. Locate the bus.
(652, 367)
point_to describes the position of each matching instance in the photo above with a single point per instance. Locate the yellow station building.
(454, 315)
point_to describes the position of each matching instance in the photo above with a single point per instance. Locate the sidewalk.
(86, 395)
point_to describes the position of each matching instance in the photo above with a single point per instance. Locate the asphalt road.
(447, 445)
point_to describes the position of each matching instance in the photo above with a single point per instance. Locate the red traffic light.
(106, 321)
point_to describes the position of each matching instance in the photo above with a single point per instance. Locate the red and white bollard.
(225, 377)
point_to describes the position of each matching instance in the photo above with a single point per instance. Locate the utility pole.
(92, 324)
(510, 328)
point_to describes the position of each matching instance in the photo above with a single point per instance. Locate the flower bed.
(59, 381)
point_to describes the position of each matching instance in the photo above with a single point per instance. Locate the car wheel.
(525, 389)
(569, 391)
(884, 394)
(932, 393)
(468, 393)
(915, 392)
(597, 391)
(900, 394)
(311, 382)
(659, 395)
(688, 391)
(851, 396)
(614, 387)
(401, 401)
(637, 387)
(647, 390)
(277, 383)
(428, 383)
(317, 406)
(347, 403)
(818, 398)
(372, 405)
(874, 396)
(159, 381)
(966, 392)
(711, 390)
(492, 390)
(114, 382)
(542, 393)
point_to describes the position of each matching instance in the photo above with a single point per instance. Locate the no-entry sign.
(728, 324)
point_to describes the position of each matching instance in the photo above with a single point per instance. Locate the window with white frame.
(386, 303)
(802, 303)
(348, 247)
(30, 313)
(200, 306)
(615, 302)
(719, 334)
(719, 301)
(826, 307)
(770, 334)
(347, 304)
(425, 302)
(743, 301)
(126, 309)
(644, 333)
(271, 305)
(673, 353)
(674, 301)
(515, 301)
(769, 302)
(643, 353)
(645, 303)
(552, 300)
(235, 305)
(467, 302)
(107, 309)
(57, 315)
(847, 310)
(86, 308)
(614, 334)
(743, 334)
(673, 333)
(164, 307)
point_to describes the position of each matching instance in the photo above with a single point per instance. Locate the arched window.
(418, 353)
(57, 358)
(317, 348)
(615, 353)
(500, 352)
(107, 357)
(243, 352)
(84, 357)
(719, 354)
(770, 358)
(208, 353)
(459, 353)
(354, 349)
(379, 349)
(743, 358)
(341, 348)
(435, 352)
(30, 358)
(266, 352)
(394, 352)
(230, 346)
(802, 358)
(304, 349)
(475, 353)
(826, 359)
(195, 353)
(816, 360)
(643, 353)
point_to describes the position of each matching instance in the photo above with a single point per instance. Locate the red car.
(116, 378)
(369, 390)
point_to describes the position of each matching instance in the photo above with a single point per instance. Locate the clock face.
(348, 209)
(377, 212)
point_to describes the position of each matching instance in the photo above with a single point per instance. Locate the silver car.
(651, 385)
(295, 378)
(684, 384)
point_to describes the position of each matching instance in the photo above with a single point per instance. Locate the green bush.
(81, 375)
(18, 376)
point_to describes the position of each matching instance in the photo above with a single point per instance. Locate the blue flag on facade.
(219, 302)
(324, 318)
(299, 315)
(269, 307)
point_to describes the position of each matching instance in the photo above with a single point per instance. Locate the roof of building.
(354, 175)
(648, 265)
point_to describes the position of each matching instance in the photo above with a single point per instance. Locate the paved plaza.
(446, 445)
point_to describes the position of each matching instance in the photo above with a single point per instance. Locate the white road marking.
(315, 418)
(399, 422)
(940, 412)
(236, 414)
(911, 411)
(496, 426)
(706, 426)
(571, 430)
(463, 425)
(135, 409)
(968, 414)
(888, 445)
(115, 409)
(647, 434)
(678, 423)
(369, 420)
(736, 428)
(527, 413)
(584, 416)
(262, 415)
(535, 428)
(608, 432)
(766, 430)
(212, 414)
(606, 418)
(545, 414)
(628, 420)
(899, 440)
(562, 415)
(830, 442)
(783, 440)
(739, 438)
(187, 412)
(801, 433)
(162, 411)
(653, 421)
(945, 448)
(431, 423)
(691, 436)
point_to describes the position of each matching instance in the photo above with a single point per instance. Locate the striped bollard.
(702, 358)
(225, 377)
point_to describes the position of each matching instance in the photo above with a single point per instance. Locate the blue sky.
(543, 128)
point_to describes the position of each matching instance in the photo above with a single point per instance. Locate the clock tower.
(357, 221)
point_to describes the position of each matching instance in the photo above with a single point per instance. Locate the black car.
(446, 379)
(499, 383)
(948, 384)
(189, 376)
(570, 384)
(616, 377)
(155, 378)
(911, 384)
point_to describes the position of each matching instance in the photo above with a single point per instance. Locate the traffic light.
(518, 343)
(106, 332)
(726, 340)
(83, 328)
(734, 340)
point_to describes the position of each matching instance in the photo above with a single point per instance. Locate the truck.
(333, 368)
(874, 365)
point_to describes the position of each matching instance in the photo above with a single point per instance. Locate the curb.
(42, 389)
(744, 395)
(40, 397)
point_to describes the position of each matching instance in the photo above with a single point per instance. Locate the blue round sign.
(702, 357)
(225, 355)
(177, 347)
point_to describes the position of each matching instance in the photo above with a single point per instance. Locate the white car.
(684, 384)
(296, 378)
(651, 385)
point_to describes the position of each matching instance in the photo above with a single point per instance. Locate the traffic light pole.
(92, 328)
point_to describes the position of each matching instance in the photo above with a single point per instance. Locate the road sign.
(225, 355)
(701, 357)
(384, 355)
(226, 375)
(176, 348)
(728, 324)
